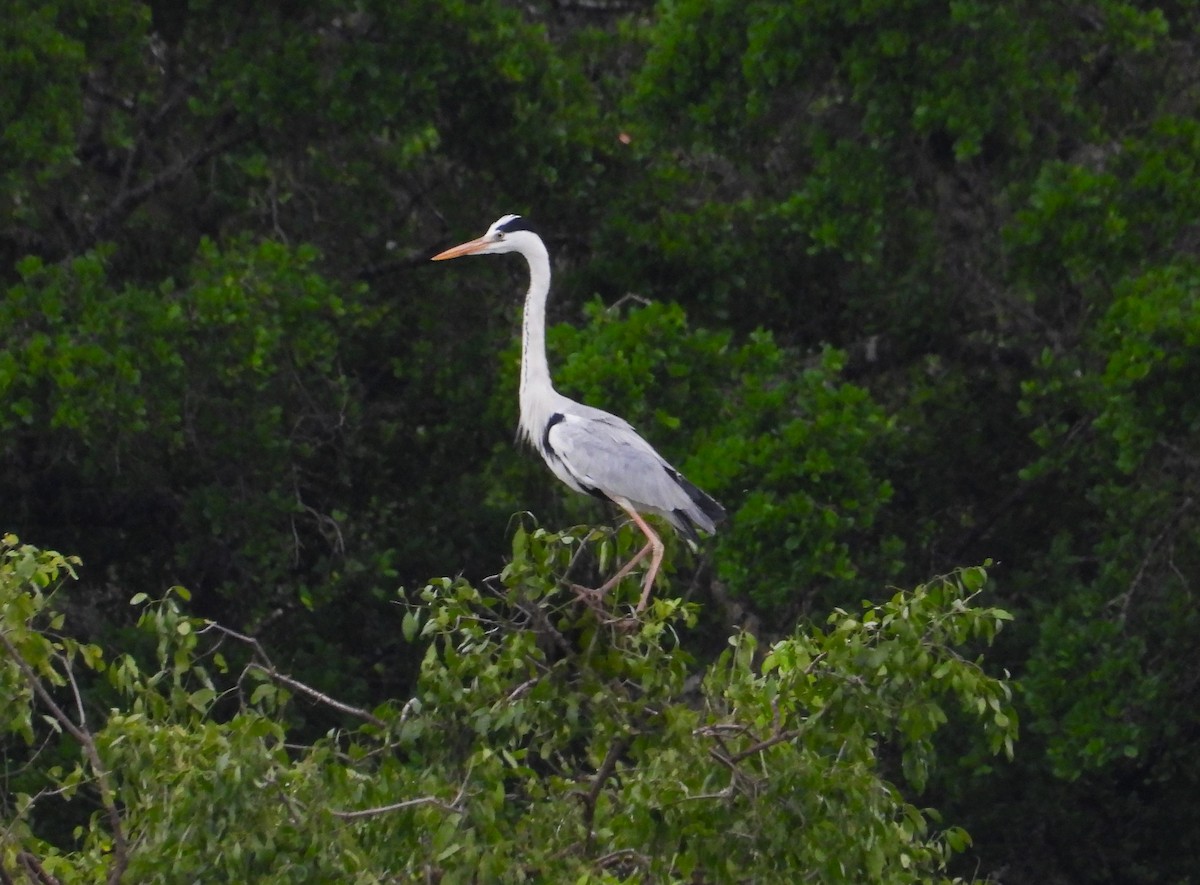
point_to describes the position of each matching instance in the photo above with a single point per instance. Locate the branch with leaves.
(262, 664)
(36, 570)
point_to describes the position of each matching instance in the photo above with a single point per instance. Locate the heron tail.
(705, 513)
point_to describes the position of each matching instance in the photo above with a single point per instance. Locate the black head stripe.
(517, 223)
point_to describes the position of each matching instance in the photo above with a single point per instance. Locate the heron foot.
(626, 624)
(593, 599)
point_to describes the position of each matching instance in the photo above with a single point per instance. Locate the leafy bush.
(542, 741)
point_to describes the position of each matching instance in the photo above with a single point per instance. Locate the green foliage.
(28, 580)
(162, 393)
(972, 72)
(1106, 681)
(805, 447)
(921, 287)
(1151, 336)
(542, 741)
(999, 194)
(1102, 640)
(44, 51)
(82, 354)
(1089, 221)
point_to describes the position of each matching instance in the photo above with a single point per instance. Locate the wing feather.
(604, 453)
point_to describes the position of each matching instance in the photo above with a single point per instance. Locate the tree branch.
(130, 197)
(88, 745)
(454, 806)
(623, 854)
(603, 774)
(1168, 530)
(268, 669)
(778, 738)
(319, 696)
(34, 869)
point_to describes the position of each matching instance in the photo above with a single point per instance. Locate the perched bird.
(589, 449)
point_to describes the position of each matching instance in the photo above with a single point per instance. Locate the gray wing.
(603, 454)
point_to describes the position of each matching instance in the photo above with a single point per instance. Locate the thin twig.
(240, 637)
(454, 806)
(615, 857)
(129, 198)
(766, 744)
(718, 728)
(74, 688)
(268, 668)
(720, 794)
(320, 696)
(521, 689)
(541, 623)
(1168, 530)
(640, 300)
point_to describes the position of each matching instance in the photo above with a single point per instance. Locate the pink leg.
(623, 571)
(654, 546)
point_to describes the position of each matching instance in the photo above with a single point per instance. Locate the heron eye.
(499, 235)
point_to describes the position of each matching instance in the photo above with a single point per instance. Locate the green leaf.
(409, 625)
(974, 578)
(263, 692)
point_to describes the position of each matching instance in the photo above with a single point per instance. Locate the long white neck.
(536, 390)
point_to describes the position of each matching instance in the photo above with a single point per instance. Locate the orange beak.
(468, 248)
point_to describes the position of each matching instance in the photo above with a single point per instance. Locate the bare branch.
(719, 728)
(778, 738)
(620, 855)
(522, 689)
(1168, 531)
(454, 806)
(129, 198)
(395, 806)
(82, 718)
(722, 757)
(541, 623)
(720, 794)
(240, 637)
(602, 775)
(319, 696)
(35, 870)
(640, 300)
(264, 665)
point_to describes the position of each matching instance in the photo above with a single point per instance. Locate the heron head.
(509, 233)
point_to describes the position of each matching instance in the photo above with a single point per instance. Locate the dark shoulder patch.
(556, 418)
(518, 223)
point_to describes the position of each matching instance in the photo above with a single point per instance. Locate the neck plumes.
(536, 389)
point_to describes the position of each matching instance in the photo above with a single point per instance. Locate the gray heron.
(590, 450)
